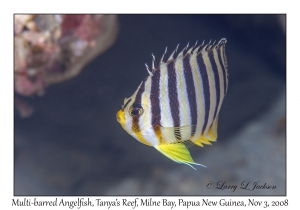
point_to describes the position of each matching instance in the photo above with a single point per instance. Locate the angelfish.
(178, 104)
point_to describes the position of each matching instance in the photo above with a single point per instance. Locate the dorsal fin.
(154, 67)
(220, 43)
(198, 49)
(163, 56)
(172, 57)
(193, 48)
(211, 46)
(186, 49)
(181, 52)
(147, 67)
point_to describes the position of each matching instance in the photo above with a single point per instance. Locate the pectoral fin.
(178, 153)
(177, 134)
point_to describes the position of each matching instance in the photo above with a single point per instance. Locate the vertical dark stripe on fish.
(154, 98)
(127, 103)
(217, 80)
(190, 88)
(223, 70)
(206, 91)
(137, 103)
(173, 94)
(173, 97)
(138, 97)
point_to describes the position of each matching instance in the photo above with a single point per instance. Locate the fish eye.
(135, 111)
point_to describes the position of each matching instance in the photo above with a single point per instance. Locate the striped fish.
(179, 102)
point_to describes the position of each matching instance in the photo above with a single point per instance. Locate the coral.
(54, 48)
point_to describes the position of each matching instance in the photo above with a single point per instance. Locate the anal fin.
(210, 136)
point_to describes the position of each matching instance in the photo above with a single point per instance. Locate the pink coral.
(27, 86)
(53, 48)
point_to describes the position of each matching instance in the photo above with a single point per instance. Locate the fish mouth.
(119, 116)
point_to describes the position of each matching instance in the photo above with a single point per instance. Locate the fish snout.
(120, 116)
